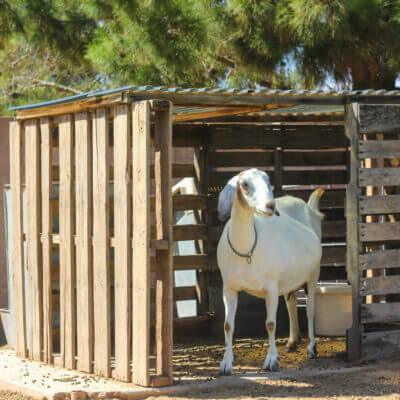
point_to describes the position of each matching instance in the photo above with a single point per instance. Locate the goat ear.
(225, 201)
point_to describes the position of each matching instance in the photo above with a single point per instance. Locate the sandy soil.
(202, 361)
(327, 377)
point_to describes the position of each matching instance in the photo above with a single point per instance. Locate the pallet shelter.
(96, 170)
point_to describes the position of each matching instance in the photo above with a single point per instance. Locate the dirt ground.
(327, 377)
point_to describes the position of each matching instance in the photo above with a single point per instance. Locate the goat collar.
(248, 255)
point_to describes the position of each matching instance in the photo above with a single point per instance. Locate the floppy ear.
(225, 199)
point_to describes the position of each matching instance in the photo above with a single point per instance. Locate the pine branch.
(61, 88)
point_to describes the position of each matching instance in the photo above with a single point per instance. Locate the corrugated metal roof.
(215, 96)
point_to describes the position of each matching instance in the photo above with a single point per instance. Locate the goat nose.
(270, 204)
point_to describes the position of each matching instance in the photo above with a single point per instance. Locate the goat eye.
(245, 185)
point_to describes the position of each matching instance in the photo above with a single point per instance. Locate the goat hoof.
(312, 351)
(225, 369)
(274, 366)
(291, 347)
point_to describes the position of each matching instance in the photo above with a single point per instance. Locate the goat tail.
(313, 201)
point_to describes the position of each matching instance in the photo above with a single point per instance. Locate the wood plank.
(379, 177)
(141, 243)
(243, 159)
(257, 158)
(385, 204)
(306, 177)
(380, 231)
(196, 261)
(84, 264)
(189, 232)
(101, 237)
(388, 258)
(380, 344)
(46, 129)
(248, 136)
(72, 107)
(353, 219)
(380, 285)
(33, 251)
(164, 221)
(67, 265)
(122, 237)
(380, 312)
(379, 118)
(379, 149)
(185, 293)
(189, 202)
(17, 249)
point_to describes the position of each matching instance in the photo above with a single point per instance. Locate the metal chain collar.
(248, 255)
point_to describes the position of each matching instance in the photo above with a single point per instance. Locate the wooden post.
(46, 130)
(33, 223)
(101, 250)
(278, 172)
(200, 163)
(164, 221)
(122, 238)
(352, 222)
(16, 163)
(67, 265)
(84, 265)
(141, 243)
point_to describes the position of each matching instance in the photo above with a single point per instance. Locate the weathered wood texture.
(379, 118)
(380, 312)
(141, 243)
(122, 236)
(46, 127)
(379, 149)
(380, 231)
(67, 262)
(352, 219)
(380, 344)
(382, 204)
(84, 265)
(379, 177)
(33, 250)
(17, 245)
(380, 285)
(101, 237)
(388, 258)
(164, 258)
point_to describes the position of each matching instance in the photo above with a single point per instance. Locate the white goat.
(266, 255)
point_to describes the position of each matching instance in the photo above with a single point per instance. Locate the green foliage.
(91, 44)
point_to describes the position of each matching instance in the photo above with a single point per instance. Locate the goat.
(265, 253)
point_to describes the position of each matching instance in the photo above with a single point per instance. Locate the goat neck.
(241, 226)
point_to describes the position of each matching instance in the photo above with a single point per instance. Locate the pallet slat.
(164, 221)
(388, 258)
(16, 165)
(141, 243)
(379, 177)
(379, 149)
(370, 205)
(84, 265)
(46, 127)
(122, 236)
(379, 232)
(380, 285)
(67, 267)
(380, 312)
(101, 237)
(306, 177)
(32, 177)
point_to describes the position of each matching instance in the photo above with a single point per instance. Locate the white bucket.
(333, 309)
